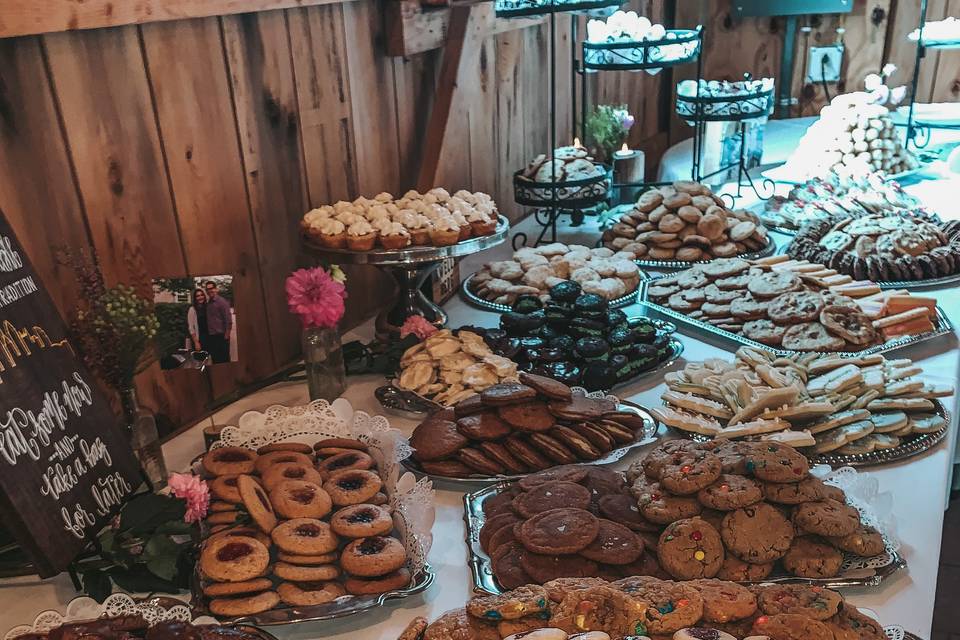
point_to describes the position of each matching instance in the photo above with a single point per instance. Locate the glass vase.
(323, 358)
(144, 438)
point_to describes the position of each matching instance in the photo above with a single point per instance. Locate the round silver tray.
(911, 446)
(477, 301)
(481, 566)
(647, 436)
(413, 255)
(768, 250)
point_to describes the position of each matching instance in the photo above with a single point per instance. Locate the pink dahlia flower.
(191, 488)
(418, 326)
(316, 297)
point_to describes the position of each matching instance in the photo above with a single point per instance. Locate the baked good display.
(535, 270)
(434, 218)
(884, 246)
(565, 165)
(305, 527)
(820, 404)
(793, 305)
(724, 100)
(946, 31)
(577, 339)
(133, 627)
(644, 607)
(518, 427)
(626, 27)
(685, 222)
(450, 366)
(853, 136)
(840, 197)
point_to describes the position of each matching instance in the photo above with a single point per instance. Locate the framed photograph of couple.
(198, 322)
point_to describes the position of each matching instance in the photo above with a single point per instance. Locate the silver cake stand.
(410, 267)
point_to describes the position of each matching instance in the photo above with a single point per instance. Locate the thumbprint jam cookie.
(257, 503)
(267, 460)
(340, 443)
(217, 589)
(373, 556)
(282, 471)
(362, 520)
(353, 486)
(304, 573)
(298, 447)
(234, 559)
(229, 461)
(371, 586)
(300, 499)
(344, 461)
(225, 488)
(306, 594)
(305, 536)
(245, 606)
(320, 558)
(250, 532)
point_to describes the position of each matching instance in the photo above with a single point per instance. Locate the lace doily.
(82, 609)
(412, 501)
(876, 510)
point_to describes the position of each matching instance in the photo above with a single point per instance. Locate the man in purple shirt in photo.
(219, 323)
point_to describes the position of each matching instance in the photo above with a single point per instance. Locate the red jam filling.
(234, 551)
(347, 460)
(303, 496)
(232, 456)
(362, 516)
(371, 546)
(230, 482)
(351, 482)
(307, 530)
(294, 472)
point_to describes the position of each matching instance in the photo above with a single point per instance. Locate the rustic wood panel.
(901, 52)
(510, 133)
(25, 17)
(109, 122)
(946, 86)
(197, 121)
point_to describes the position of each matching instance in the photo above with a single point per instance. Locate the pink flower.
(316, 297)
(192, 489)
(418, 326)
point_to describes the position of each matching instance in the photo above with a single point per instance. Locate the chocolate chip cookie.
(690, 549)
(559, 531)
(689, 472)
(793, 492)
(775, 462)
(826, 518)
(811, 557)
(757, 534)
(662, 508)
(724, 601)
(730, 492)
(803, 599)
(865, 541)
(552, 495)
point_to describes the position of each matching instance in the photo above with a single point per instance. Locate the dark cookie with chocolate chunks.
(559, 531)
(507, 393)
(507, 568)
(546, 386)
(567, 473)
(551, 495)
(614, 544)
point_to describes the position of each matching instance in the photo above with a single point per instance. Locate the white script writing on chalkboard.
(10, 293)
(9, 257)
(77, 520)
(26, 431)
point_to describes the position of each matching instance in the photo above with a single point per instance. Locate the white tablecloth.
(918, 487)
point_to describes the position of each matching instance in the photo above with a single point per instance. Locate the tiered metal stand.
(918, 131)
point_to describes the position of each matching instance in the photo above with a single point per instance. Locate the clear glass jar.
(144, 439)
(323, 357)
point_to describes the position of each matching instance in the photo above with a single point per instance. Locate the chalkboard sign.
(65, 464)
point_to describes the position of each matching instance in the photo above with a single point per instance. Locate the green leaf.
(148, 511)
(96, 584)
(177, 527)
(163, 566)
(136, 580)
(107, 540)
(160, 545)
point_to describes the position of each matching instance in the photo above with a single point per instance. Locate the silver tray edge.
(477, 301)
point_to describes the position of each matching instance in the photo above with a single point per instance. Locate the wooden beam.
(412, 28)
(26, 17)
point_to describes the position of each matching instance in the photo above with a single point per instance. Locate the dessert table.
(919, 487)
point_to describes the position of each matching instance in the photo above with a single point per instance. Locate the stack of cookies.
(792, 304)
(822, 404)
(570, 521)
(638, 607)
(519, 427)
(566, 165)
(685, 222)
(132, 626)
(887, 246)
(297, 525)
(736, 510)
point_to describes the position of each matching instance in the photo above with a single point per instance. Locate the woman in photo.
(197, 321)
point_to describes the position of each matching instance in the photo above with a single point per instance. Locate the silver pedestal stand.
(410, 268)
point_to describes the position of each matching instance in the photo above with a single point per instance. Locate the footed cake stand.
(410, 267)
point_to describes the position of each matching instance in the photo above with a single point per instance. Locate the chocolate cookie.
(581, 408)
(543, 567)
(500, 455)
(548, 387)
(551, 495)
(552, 448)
(757, 534)
(483, 426)
(724, 601)
(688, 472)
(526, 454)
(507, 393)
(811, 557)
(615, 544)
(662, 508)
(578, 444)
(528, 416)
(507, 568)
(803, 599)
(791, 626)
(559, 531)
(826, 518)
(528, 600)
(435, 439)
(775, 462)
(793, 492)
(568, 473)
(865, 541)
(690, 549)
(730, 492)
(479, 462)
(623, 509)
(736, 570)
(447, 468)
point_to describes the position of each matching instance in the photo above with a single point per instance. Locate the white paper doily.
(84, 608)
(412, 501)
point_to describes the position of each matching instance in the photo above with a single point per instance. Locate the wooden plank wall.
(194, 145)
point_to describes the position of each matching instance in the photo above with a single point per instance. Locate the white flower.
(898, 94)
(872, 82)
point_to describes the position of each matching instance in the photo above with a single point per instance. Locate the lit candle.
(576, 143)
(628, 169)
(623, 153)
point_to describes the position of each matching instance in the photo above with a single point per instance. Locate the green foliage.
(607, 128)
(173, 331)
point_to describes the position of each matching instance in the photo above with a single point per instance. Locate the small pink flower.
(316, 297)
(418, 326)
(194, 490)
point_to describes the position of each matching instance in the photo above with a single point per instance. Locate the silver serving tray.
(913, 445)
(477, 301)
(481, 565)
(648, 436)
(941, 327)
(340, 608)
(412, 255)
(409, 404)
(767, 250)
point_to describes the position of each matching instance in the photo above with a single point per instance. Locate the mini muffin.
(416, 225)
(331, 233)
(444, 231)
(482, 223)
(361, 236)
(393, 235)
